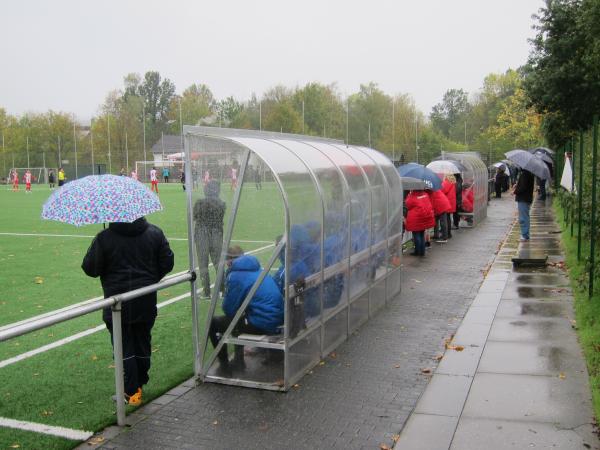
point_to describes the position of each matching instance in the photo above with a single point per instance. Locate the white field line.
(81, 334)
(85, 302)
(90, 237)
(67, 433)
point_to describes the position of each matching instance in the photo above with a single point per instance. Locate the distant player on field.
(153, 180)
(134, 175)
(233, 178)
(61, 177)
(15, 180)
(206, 178)
(27, 178)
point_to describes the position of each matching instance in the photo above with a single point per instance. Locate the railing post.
(593, 223)
(118, 356)
(580, 195)
(571, 202)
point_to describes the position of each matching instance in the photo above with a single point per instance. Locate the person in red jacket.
(468, 198)
(441, 208)
(419, 218)
(449, 189)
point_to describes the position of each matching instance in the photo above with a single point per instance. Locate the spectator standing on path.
(441, 209)
(123, 172)
(449, 187)
(459, 204)
(523, 193)
(264, 314)
(51, 178)
(208, 230)
(182, 178)
(499, 181)
(128, 256)
(165, 173)
(206, 177)
(420, 217)
(61, 177)
(257, 179)
(153, 180)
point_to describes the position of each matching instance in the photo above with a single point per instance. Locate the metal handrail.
(17, 329)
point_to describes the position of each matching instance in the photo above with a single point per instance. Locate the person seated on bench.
(264, 314)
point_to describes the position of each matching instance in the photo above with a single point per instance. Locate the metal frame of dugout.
(476, 175)
(338, 210)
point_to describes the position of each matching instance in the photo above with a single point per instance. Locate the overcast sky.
(67, 55)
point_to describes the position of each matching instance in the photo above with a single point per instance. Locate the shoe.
(224, 370)
(238, 364)
(427, 244)
(524, 239)
(136, 399)
(441, 241)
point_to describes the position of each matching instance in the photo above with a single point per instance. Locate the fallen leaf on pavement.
(396, 366)
(396, 437)
(416, 281)
(96, 440)
(426, 370)
(216, 422)
(438, 357)
(562, 376)
(458, 348)
(384, 447)
(333, 355)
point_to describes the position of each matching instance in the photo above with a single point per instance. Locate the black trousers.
(137, 350)
(498, 188)
(219, 324)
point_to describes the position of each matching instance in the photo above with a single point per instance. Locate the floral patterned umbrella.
(100, 199)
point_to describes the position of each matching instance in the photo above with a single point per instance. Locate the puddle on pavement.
(541, 279)
(540, 309)
(539, 292)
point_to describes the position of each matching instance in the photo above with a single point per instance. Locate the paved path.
(362, 397)
(521, 381)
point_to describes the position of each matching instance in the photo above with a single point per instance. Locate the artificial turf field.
(71, 385)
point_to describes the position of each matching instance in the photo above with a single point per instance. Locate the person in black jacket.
(523, 192)
(456, 214)
(128, 256)
(209, 213)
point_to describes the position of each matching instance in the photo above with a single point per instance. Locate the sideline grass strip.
(587, 311)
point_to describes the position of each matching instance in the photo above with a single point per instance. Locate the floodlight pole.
(27, 146)
(393, 129)
(144, 132)
(162, 144)
(347, 118)
(260, 115)
(75, 145)
(92, 143)
(108, 129)
(181, 124)
(3, 154)
(59, 160)
(303, 117)
(126, 153)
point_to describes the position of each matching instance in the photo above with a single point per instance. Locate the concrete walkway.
(362, 396)
(521, 380)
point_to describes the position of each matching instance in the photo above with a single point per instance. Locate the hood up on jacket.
(134, 228)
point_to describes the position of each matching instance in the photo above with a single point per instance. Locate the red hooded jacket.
(420, 212)
(468, 199)
(440, 202)
(449, 189)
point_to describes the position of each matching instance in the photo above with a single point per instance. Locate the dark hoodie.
(128, 256)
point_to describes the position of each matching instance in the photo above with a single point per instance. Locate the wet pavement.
(521, 380)
(362, 396)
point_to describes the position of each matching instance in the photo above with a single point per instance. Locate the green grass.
(587, 310)
(71, 386)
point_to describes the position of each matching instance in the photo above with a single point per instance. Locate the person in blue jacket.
(264, 314)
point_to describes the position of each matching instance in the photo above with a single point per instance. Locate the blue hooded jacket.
(265, 310)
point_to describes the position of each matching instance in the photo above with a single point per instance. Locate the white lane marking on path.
(90, 237)
(62, 432)
(82, 334)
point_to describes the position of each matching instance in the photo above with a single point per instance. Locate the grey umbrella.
(544, 156)
(547, 150)
(529, 162)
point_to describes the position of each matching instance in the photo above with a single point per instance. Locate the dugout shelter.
(323, 217)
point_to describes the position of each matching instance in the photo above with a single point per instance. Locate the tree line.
(492, 120)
